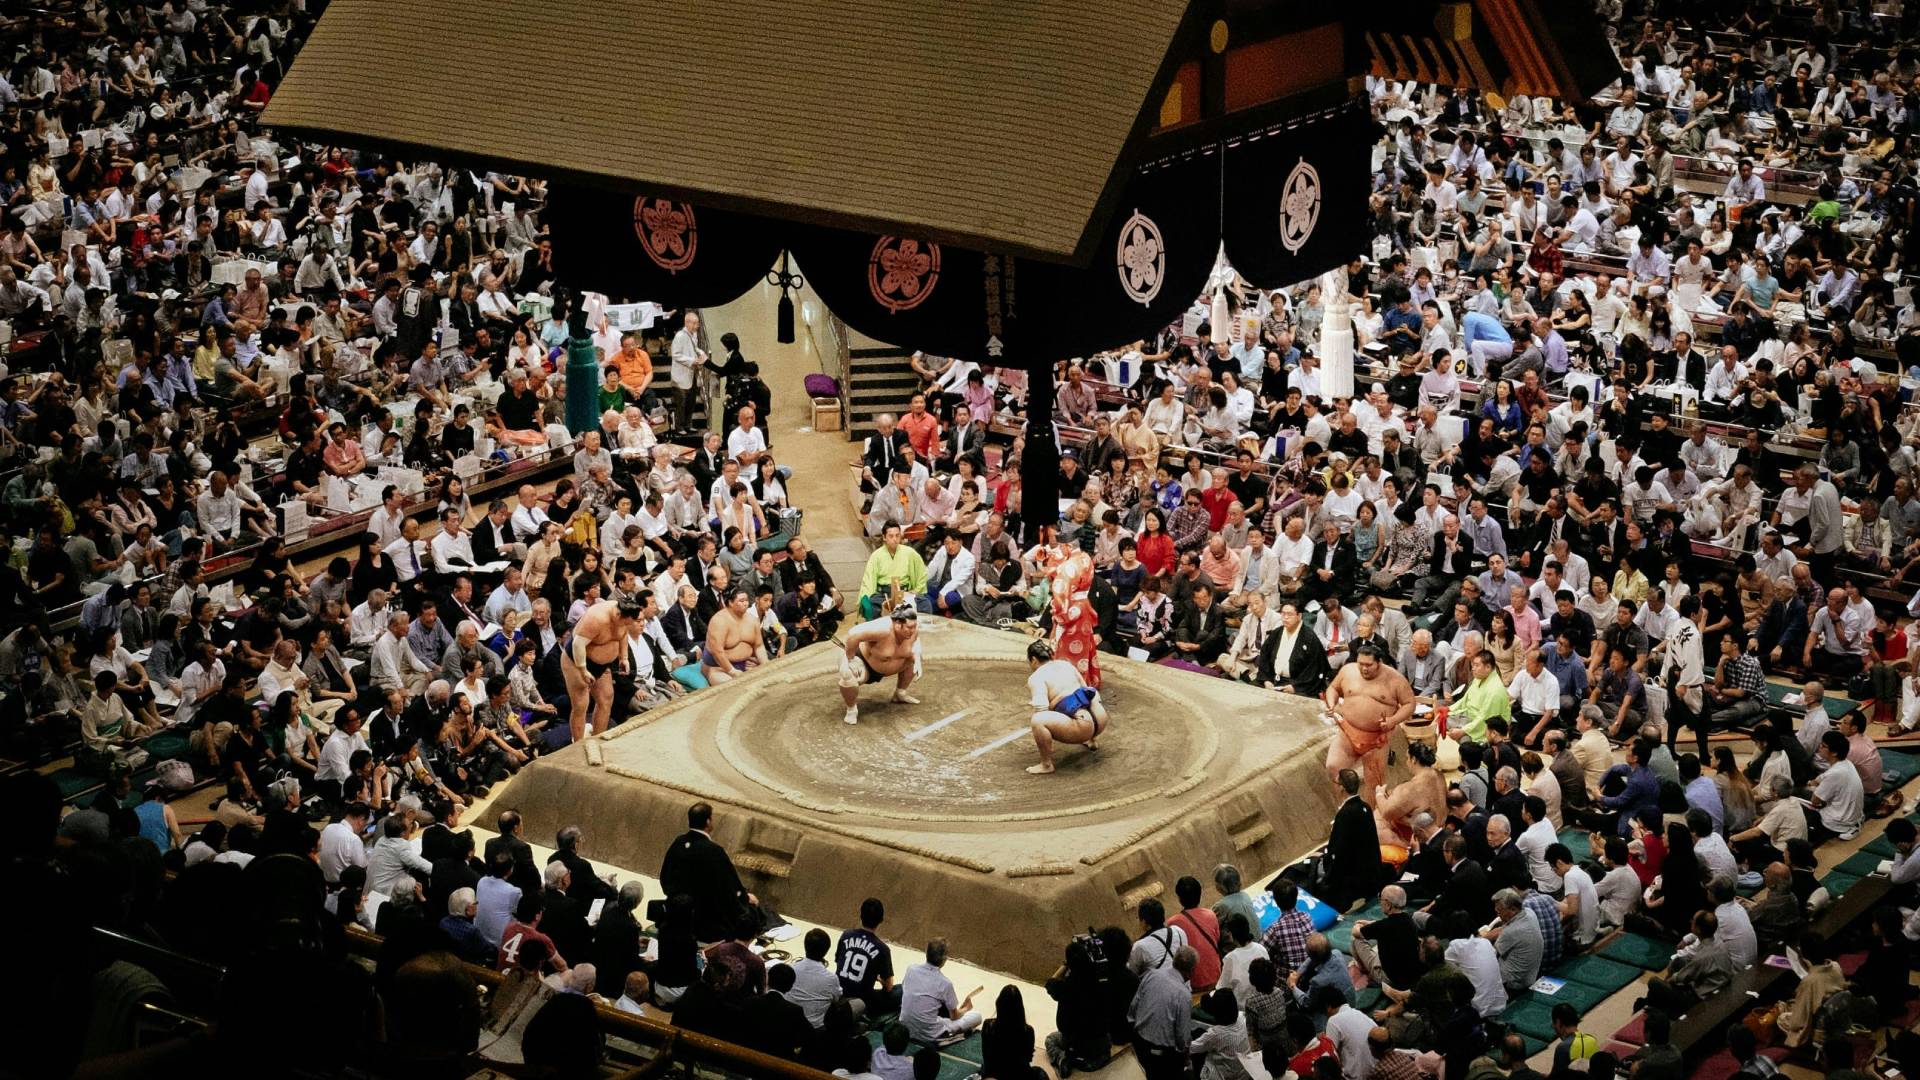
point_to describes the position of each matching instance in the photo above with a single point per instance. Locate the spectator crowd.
(1630, 439)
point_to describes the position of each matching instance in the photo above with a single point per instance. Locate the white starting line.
(996, 744)
(935, 726)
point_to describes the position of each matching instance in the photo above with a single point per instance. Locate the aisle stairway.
(882, 380)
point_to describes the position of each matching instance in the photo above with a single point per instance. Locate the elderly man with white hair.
(469, 943)
(466, 645)
(1427, 665)
(1388, 948)
(395, 867)
(395, 667)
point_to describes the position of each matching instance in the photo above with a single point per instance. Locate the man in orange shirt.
(922, 428)
(636, 367)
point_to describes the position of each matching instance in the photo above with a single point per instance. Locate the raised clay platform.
(929, 807)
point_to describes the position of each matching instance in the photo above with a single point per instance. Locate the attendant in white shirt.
(1723, 378)
(453, 548)
(746, 442)
(386, 522)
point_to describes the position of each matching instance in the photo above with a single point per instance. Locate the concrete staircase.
(880, 381)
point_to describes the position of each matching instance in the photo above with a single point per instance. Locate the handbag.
(1764, 1023)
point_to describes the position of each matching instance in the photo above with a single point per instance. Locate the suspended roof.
(997, 124)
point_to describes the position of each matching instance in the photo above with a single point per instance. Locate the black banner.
(1153, 260)
(653, 248)
(1296, 198)
(1290, 202)
(1148, 266)
(903, 290)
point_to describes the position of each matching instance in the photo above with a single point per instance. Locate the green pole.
(583, 377)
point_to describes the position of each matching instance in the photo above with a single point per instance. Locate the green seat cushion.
(1340, 936)
(1837, 704)
(72, 782)
(1899, 764)
(1577, 843)
(1597, 971)
(1860, 863)
(1532, 1017)
(1881, 847)
(167, 744)
(970, 1049)
(957, 1062)
(1579, 995)
(1642, 952)
(1839, 882)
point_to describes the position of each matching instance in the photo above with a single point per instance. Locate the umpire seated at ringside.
(699, 869)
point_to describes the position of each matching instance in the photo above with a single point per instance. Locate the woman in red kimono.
(1070, 574)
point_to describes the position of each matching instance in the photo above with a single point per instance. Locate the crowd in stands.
(1630, 437)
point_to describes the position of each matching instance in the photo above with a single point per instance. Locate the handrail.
(198, 981)
(486, 481)
(664, 1039)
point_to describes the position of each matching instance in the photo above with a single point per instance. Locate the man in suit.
(1552, 524)
(1351, 867)
(565, 918)
(459, 606)
(684, 627)
(1331, 571)
(1466, 904)
(1101, 446)
(1259, 573)
(587, 886)
(802, 564)
(616, 939)
(1606, 539)
(775, 1024)
(699, 869)
(966, 439)
(880, 454)
(1201, 634)
(1507, 867)
(714, 597)
(1294, 660)
(494, 539)
(1449, 562)
(707, 462)
(526, 875)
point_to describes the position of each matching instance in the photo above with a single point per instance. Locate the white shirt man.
(197, 685)
(395, 666)
(387, 520)
(951, 570)
(1533, 842)
(336, 755)
(1292, 552)
(367, 621)
(925, 994)
(1475, 958)
(454, 550)
(394, 864)
(528, 520)
(1723, 378)
(340, 847)
(1536, 694)
(1579, 888)
(407, 558)
(746, 444)
(219, 514)
(1841, 797)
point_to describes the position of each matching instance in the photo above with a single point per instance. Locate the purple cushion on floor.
(1635, 1031)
